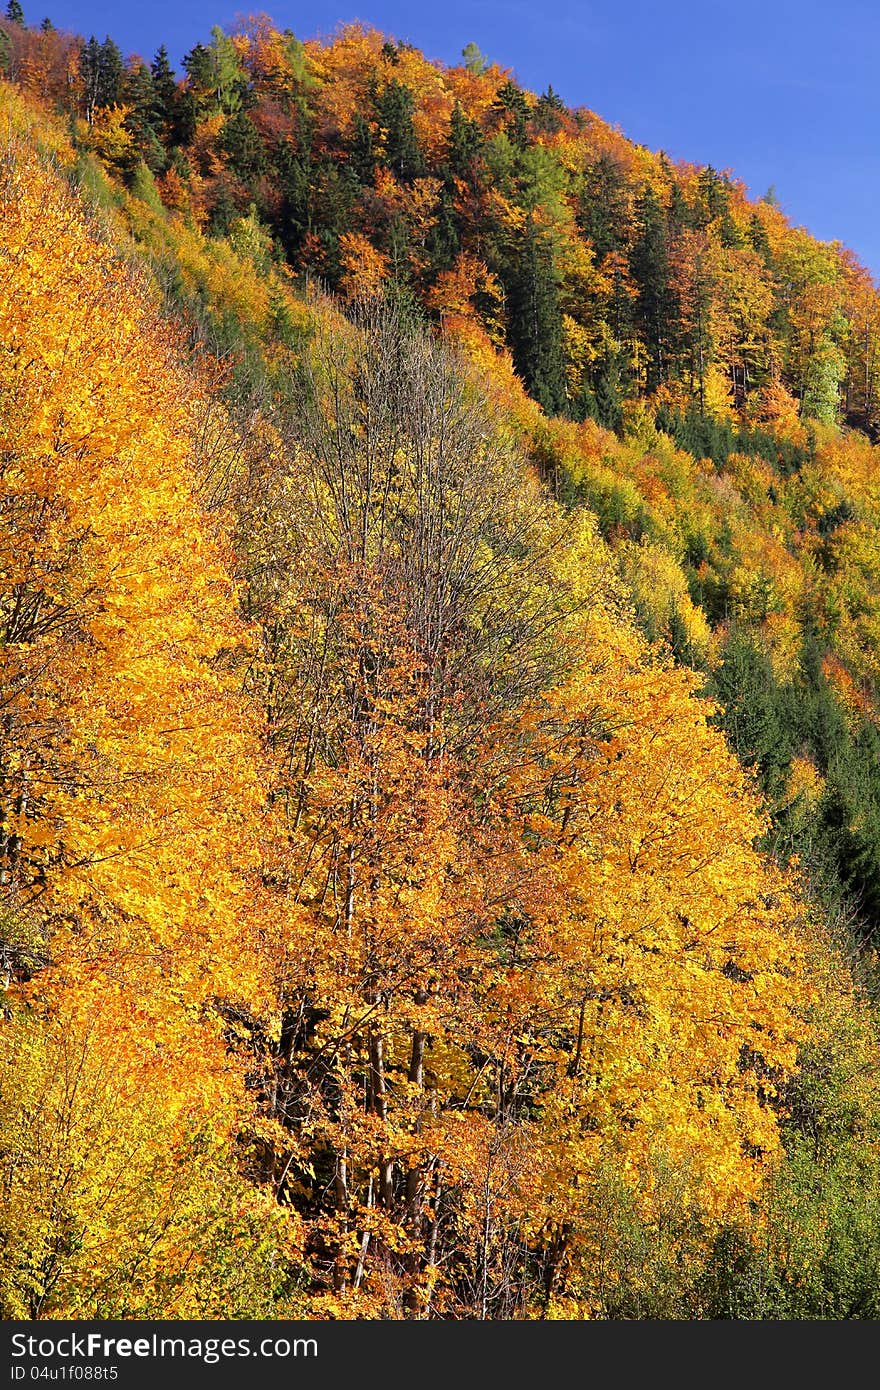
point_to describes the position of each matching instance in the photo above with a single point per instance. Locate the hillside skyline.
(440, 755)
(671, 81)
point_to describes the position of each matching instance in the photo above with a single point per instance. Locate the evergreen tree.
(682, 217)
(474, 60)
(465, 142)
(89, 71)
(609, 395)
(332, 195)
(711, 194)
(511, 102)
(216, 82)
(199, 70)
(650, 270)
(362, 155)
(229, 83)
(443, 241)
(282, 325)
(750, 711)
(759, 240)
(101, 70)
(399, 243)
(714, 195)
(535, 320)
(138, 95)
(548, 113)
(112, 70)
(694, 312)
(164, 114)
(293, 218)
(224, 211)
(15, 13)
(186, 117)
(394, 111)
(243, 146)
(603, 207)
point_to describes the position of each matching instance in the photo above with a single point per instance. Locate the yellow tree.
(129, 791)
(649, 989)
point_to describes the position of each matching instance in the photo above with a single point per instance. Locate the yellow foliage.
(659, 589)
(129, 780)
(110, 139)
(364, 269)
(805, 781)
(466, 896)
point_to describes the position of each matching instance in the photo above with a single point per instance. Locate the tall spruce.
(464, 144)
(165, 97)
(394, 110)
(535, 319)
(603, 207)
(101, 71)
(651, 273)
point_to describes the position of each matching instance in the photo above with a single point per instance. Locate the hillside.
(441, 803)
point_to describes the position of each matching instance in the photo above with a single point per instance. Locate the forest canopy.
(439, 780)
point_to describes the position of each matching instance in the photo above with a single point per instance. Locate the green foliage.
(270, 175)
(101, 73)
(768, 724)
(216, 80)
(536, 319)
(394, 107)
(465, 142)
(90, 178)
(827, 368)
(250, 239)
(511, 104)
(603, 210)
(650, 271)
(243, 147)
(812, 1248)
(143, 186)
(818, 1255)
(165, 97)
(754, 711)
(705, 436)
(473, 59)
(609, 395)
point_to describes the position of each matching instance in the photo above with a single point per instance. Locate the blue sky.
(784, 93)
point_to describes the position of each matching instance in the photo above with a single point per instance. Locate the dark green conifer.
(165, 97)
(465, 142)
(394, 111)
(101, 70)
(603, 209)
(650, 269)
(535, 320)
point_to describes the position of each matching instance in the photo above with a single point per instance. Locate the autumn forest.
(439, 704)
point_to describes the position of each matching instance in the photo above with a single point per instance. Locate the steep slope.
(363, 797)
(129, 795)
(722, 346)
(607, 271)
